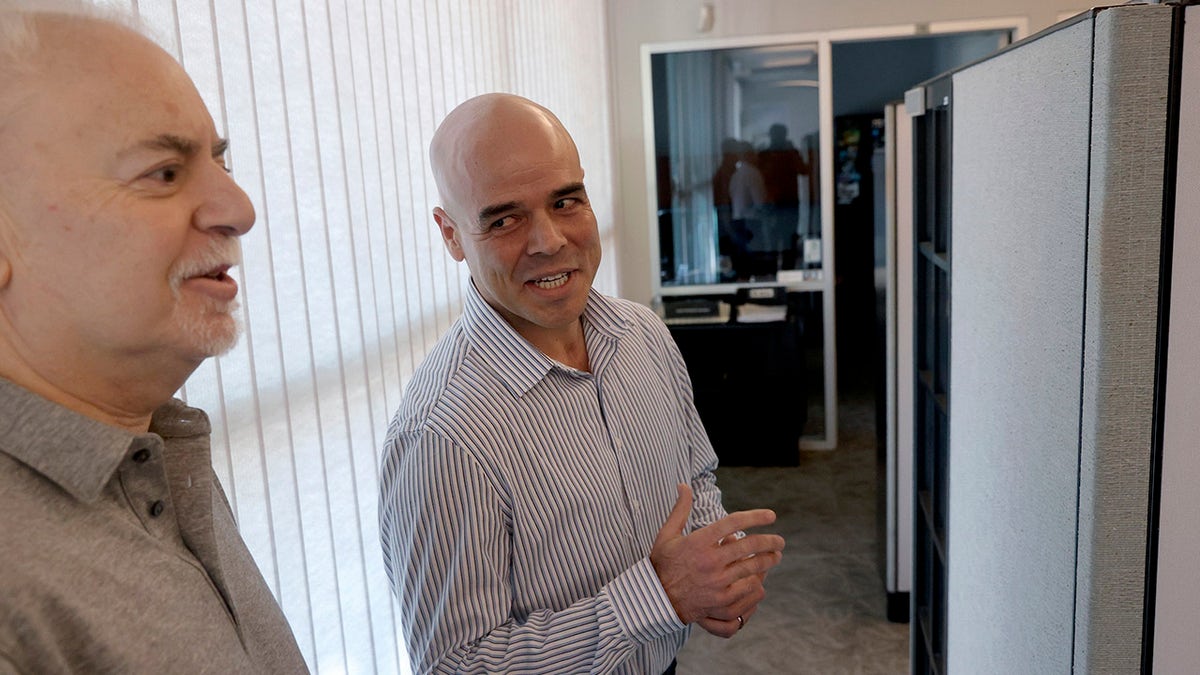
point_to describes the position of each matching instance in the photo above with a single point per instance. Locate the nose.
(224, 206)
(545, 234)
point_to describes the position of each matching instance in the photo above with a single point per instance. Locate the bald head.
(479, 134)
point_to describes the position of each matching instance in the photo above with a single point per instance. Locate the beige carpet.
(825, 607)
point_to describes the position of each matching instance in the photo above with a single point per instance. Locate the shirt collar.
(75, 452)
(515, 359)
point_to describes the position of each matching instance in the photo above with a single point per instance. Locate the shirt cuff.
(641, 604)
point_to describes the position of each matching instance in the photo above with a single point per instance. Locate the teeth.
(552, 282)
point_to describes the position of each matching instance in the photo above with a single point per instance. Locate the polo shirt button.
(156, 508)
(141, 455)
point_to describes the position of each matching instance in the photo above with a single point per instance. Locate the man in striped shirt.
(547, 500)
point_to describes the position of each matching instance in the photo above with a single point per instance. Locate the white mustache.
(219, 252)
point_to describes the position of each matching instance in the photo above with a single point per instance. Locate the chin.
(210, 335)
(221, 344)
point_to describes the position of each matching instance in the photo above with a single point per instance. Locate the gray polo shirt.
(119, 552)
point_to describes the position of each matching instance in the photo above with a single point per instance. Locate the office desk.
(749, 388)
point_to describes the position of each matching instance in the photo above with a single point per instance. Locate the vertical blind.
(329, 106)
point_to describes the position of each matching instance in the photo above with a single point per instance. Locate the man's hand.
(711, 576)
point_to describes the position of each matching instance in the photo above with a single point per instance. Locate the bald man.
(119, 223)
(547, 501)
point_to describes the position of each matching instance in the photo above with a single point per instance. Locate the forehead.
(518, 162)
(96, 83)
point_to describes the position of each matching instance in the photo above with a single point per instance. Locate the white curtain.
(694, 105)
(329, 106)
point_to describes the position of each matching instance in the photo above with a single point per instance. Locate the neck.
(574, 356)
(565, 345)
(124, 398)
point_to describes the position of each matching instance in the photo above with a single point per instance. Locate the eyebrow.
(184, 146)
(486, 213)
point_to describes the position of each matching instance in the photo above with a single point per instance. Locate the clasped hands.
(714, 576)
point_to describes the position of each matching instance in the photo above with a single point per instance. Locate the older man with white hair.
(119, 223)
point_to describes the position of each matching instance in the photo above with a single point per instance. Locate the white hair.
(20, 33)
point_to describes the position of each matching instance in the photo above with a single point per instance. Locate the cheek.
(103, 252)
(585, 234)
(505, 253)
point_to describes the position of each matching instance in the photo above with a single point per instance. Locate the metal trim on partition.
(1173, 357)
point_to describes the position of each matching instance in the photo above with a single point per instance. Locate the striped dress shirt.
(520, 498)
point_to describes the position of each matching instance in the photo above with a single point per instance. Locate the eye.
(501, 223)
(166, 174)
(566, 202)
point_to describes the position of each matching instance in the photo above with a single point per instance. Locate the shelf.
(932, 260)
(935, 532)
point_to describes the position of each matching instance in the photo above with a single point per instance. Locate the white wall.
(634, 22)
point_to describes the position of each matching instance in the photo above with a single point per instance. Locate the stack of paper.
(751, 313)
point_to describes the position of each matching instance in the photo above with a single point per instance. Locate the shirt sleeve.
(445, 530)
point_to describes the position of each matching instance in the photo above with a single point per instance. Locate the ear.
(449, 233)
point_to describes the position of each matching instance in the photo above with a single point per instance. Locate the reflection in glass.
(736, 134)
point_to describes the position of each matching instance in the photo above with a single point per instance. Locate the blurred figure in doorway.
(731, 243)
(748, 199)
(782, 165)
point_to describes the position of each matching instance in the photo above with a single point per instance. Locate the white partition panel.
(899, 349)
(1020, 148)
(1058, 170)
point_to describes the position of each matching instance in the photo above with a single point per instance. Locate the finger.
(740, 598)
(739, 520)
(757, 565)
(754, 544)
(719, 627)
(677, 519)
(748, 613)
(740, 534)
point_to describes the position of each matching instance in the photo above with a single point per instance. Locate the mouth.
(213, 282)
(553, 281)
(220, 273)
(203, 272)
(206, 270)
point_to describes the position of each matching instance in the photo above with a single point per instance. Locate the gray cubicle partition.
(1061, 181)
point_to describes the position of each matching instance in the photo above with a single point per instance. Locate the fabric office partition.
(1060, 171)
